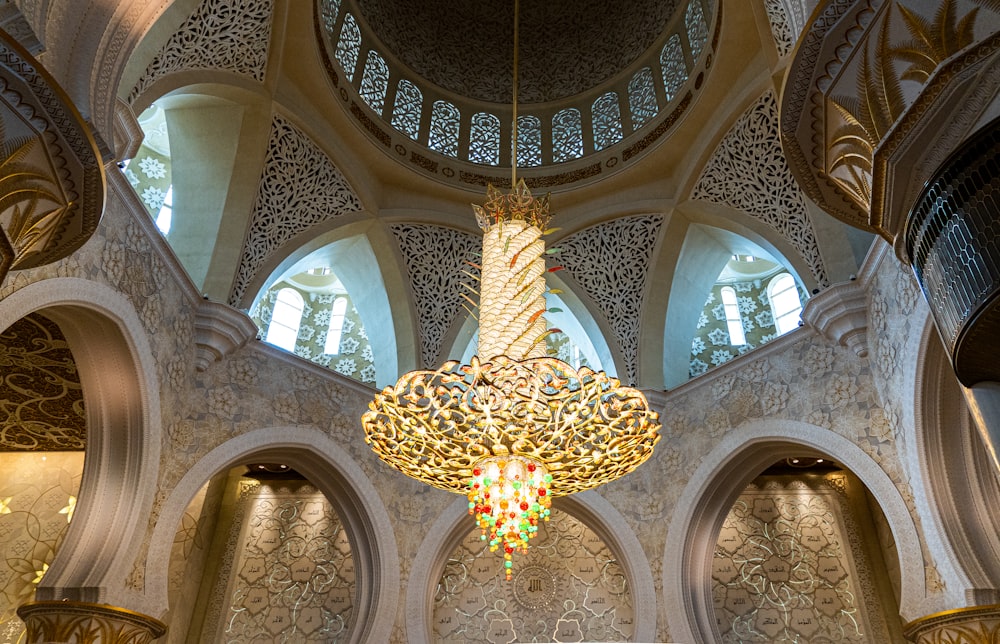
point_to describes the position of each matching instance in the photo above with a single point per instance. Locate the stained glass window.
(697, 28)
(567, 135)
(642, 98)
(445, 119)
(672, 65)
(349, 46)
(529, 141)
(375, 82)
(406, 110)
(330, 9)
(283, 330)
(607, 119)
(484, 139)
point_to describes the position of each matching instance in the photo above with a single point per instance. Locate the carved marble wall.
(288, 573)
(567, 588)
(790, 565)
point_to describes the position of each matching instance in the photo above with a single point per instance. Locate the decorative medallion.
(534, 587)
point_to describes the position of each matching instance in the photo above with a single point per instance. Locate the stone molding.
(970, 624)
(840, 314)
(219, 330)
(128, 133)
(87, 623)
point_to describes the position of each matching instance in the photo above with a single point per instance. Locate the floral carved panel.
(299, 188)
(787, 569)
(439, 263)
(290, 568)
(220, 34)
(569, 587)
(611, 261)
(748, 172)
(41, 401)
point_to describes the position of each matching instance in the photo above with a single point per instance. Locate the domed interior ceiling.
(566, 46)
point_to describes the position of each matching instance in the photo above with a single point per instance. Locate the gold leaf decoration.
(932, 41)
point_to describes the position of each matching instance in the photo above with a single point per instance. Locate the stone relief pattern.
(299, 188)
(438, 263)
(37, 499)
(832, 389)
(433, 39)
(611, 261)
(784, 39)
(41, 401)
(748, 172)
(897, 313)
(231, 35)
(250, 390)
(785, 570)
(568, 588)
(291, 571)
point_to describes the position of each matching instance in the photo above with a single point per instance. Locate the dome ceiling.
(566, 46)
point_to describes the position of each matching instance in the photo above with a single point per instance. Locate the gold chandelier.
(514, 428)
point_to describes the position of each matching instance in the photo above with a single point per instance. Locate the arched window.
(349, 46)
(406, 110)
(336, 328)
(375, 81)
(529, 141)
(642, 98)
(567, 135)
(283, 330)
(166, 214)
(785, 304)
(697, 28)
(673, 67)
(737, 336)
(445, 118)
(484, 139)
(607, 118)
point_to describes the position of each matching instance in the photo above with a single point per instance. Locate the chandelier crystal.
(516, 428)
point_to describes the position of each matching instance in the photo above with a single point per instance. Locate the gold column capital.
(87, 623)
(969, 624)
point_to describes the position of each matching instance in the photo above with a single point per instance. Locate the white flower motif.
(367, 354)
(720, 356)
(702, 320)
(764, 319)
(719, 337)
(743, 287)
(348, 325)
(743, 348)
(306, 333)
(368, 374)
(346, 366)
(697, 368)
(322, 317)
(747, 305)
(303, 352)
(697, 346)
(153, 197)
(349, 345)
(719, 311)
(763, 298)
(153, 168)
(363, 333)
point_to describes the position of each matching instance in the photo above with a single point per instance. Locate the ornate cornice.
(856, 95)
(51, 176)
(219, 330)
(840, 314)
(970, 624)
(87, 623)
